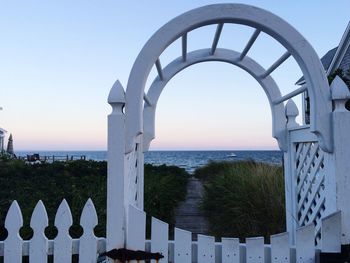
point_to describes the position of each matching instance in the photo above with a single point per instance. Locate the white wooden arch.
(223, 55)
(263, 21)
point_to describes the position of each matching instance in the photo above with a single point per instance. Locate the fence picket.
(280, 251)
(206, 249)
(38, 246)
(255, 250)
(159, 238)
(305, 244)
(183, 247)
(13, 242)
(88, 241)
(63, 241)
(331, 233)
(136, 229)
(230, 250)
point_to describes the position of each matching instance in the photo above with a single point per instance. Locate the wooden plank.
(159, 238)
(136, 229)
(88, 241)
(216, 38)
(159, 69)
(305, 244)
(206, 249)
(183, 246)
(249, 44)
(38, 247)
(184, 47)
(331, 233)
(13, 242)
(63, 241)
(275, 65)
(280, 250)
(230, 250)
(255, 250)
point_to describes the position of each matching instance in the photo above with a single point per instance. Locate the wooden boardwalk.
(188, 215)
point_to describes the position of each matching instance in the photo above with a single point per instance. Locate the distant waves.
(189, 160)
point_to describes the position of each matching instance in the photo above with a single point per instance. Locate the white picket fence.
(180, 250)
(88, 246)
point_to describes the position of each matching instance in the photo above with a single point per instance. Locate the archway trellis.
(263, 21)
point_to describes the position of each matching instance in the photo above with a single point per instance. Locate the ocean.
(189, 160)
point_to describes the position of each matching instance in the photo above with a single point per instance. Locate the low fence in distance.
(51, 158)
(180, 250)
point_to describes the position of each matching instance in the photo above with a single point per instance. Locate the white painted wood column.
(291, 112)
(115, 229)
(341, 135)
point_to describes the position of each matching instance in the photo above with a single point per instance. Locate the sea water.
(189, 160)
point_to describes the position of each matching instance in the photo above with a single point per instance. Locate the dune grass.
(243, 199)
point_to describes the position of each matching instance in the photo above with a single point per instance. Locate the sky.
(59, 59)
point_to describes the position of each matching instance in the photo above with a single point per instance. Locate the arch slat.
(88, 241)
(216, 38)
(159, 69)
(184, 46)
(249, 44)
(183, 248)
(38, 247)
(63, 241)
(13, 242)
(275, 65)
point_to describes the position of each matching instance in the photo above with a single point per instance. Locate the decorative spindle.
(340, 94)
(291, 113)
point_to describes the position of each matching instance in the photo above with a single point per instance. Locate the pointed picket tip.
(291, 109)
(117, 93)
(88, 217)
(340, 90)
(39, 217)
(63, 218)
(14, 218)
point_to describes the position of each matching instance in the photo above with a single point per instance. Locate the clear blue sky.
(58, 60)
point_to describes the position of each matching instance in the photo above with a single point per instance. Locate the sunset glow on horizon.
(59, 61)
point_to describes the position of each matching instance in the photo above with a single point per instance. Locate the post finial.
(116, 97)
(291, 113)
(340, 94)
(117, 93)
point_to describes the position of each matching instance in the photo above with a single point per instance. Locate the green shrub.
(165, 187)
(243, 199)
(76, 181)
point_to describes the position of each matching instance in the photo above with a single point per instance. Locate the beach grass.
(243, 198)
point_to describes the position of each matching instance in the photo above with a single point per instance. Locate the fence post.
(341, 140)
(291, 112)
(115, 229)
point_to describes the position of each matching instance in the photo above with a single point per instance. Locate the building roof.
(2, 131)
(338, 57)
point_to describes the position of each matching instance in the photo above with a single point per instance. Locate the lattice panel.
(310, 186)
(131, 167)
